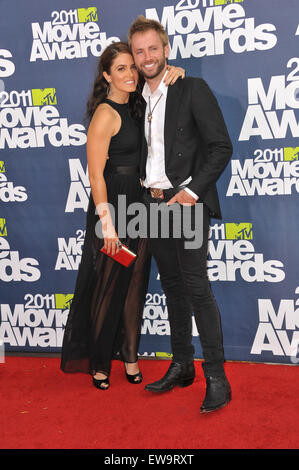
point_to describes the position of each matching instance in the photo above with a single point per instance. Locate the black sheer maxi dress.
(105, 316)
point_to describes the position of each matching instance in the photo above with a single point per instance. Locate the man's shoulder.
(189, 86)
(191, 83)
(194, 81)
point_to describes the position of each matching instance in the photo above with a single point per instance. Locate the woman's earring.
(108, 89)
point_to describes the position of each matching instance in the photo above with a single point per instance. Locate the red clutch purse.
(124, 255)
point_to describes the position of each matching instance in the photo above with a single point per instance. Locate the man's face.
(149, 53)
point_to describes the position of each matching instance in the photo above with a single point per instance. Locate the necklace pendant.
(149, 117)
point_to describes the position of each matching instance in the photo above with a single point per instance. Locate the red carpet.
(43, 408)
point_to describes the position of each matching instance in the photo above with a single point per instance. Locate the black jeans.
(184, 279)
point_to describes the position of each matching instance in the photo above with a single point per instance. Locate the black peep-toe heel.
(134, 378)
(102, 384)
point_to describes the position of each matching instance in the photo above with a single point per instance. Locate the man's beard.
(159, 69)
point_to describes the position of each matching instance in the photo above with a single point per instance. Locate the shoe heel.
(186, 382)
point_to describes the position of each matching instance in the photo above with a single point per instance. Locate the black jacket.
(196, 140)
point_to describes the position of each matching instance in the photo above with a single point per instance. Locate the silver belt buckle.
(156, 193)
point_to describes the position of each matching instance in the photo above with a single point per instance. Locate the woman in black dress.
(105, 317)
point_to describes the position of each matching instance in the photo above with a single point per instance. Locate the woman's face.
(123, 75)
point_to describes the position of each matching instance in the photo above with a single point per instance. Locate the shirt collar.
(162, 88)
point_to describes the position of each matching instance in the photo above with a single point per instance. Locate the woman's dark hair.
(100, 86)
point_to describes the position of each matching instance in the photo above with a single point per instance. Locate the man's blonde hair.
(142, 24)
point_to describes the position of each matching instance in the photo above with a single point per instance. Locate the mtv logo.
(225, 2)
(43, 96)
(63, 301)
(242, 231)
(3, 228)
(2, 167)
(290, 153)
(164, 355)
(87, 14)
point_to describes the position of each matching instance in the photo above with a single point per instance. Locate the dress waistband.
(122, 170)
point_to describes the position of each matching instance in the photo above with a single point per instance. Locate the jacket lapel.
(171, 114)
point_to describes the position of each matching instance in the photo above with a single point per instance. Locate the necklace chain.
(149, 119)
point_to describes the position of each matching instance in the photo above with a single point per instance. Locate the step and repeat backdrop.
(248, 52)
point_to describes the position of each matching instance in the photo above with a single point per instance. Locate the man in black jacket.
(188, 147)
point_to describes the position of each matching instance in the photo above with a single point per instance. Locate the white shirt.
(155, 165)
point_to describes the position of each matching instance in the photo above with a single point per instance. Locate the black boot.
(181, 374)
(218, 394)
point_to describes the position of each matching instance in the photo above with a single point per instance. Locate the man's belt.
(157, 193)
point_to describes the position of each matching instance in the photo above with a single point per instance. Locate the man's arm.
(213, 131)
